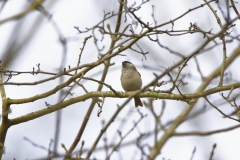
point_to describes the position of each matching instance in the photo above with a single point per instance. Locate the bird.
(131, 80)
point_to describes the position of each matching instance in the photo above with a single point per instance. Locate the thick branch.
(90, 95)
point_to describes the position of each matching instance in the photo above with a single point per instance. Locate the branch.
(197, 133)
(34, 5)
(222, 37)
(104, 74)
(155, 150)
(235, 9)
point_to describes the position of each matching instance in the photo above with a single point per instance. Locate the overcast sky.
(41, 45)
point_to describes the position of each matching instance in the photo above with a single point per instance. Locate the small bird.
(131, 80)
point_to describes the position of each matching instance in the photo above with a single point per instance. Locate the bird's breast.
(131, 81)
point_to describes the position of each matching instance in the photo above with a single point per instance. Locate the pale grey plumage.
(131, 80)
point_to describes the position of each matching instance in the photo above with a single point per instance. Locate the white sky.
(44, 48)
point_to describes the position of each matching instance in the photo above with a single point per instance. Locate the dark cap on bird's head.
(127, 64)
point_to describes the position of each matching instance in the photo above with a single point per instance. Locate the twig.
(220, 110)
(198, 133)
(235, 9)
(193, 152)
(123, 137)
(108, 86)
(212, 152)
(224, 43)
(198, 68)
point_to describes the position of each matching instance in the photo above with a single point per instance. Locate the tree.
(188, 66)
